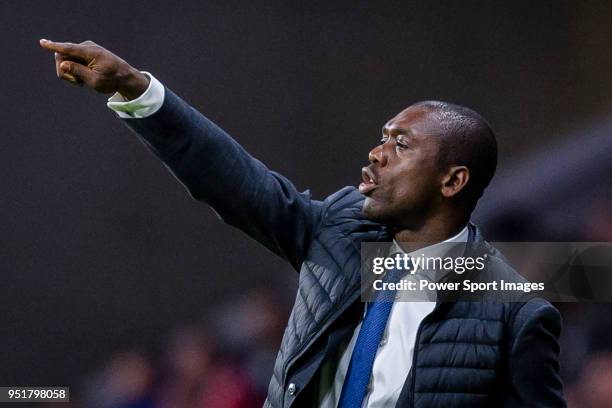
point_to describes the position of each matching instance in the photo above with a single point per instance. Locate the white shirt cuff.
(145, 105)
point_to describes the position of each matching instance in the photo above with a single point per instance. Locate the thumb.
(75, 72)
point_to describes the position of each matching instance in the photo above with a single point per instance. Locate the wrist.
(134, 85)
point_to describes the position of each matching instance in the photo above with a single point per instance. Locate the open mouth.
(369, 181)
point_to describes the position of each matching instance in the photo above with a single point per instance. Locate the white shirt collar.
(462, 236)
(435, 250)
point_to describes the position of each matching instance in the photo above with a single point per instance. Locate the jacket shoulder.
(345, 207)
(344, 204)
(537, 309)
(346, 197)
(525, 306)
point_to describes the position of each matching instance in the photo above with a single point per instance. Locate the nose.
(378, 155)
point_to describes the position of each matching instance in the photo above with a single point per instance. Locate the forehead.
(418, 121)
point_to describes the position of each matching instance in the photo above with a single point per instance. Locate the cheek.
(404, 192)
(414, 189)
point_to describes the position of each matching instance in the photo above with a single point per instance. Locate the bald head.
(433, 163)
(466, 140)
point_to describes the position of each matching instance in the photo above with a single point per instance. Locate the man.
(432, 165)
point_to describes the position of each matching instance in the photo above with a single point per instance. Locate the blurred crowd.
(224, 362)
(586, 351)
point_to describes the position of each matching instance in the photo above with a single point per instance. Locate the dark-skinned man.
(433, 163)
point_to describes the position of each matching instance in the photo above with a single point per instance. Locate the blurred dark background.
(110, 271)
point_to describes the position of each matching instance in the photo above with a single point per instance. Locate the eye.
(400, 145)
(384, 140)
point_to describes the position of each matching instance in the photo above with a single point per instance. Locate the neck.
(431, 232)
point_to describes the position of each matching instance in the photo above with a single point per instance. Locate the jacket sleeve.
(217, 170)
(534, 357)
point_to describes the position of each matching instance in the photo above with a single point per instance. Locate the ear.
(455, 180)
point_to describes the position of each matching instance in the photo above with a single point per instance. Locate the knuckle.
(91, 46)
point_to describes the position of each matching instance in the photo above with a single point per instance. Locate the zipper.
(415, 354)
(315, 335)
(414, 359)
(320, 329)
(471, 239)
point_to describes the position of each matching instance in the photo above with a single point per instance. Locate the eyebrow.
(386, 130)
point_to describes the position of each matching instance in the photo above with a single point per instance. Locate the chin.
(371, 211)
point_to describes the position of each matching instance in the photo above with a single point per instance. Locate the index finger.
(70, 49)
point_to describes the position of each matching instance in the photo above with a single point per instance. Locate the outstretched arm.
(212, 165)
